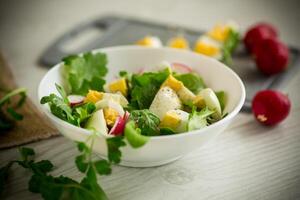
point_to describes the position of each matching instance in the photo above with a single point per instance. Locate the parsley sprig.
(62, 187)
(60, 107)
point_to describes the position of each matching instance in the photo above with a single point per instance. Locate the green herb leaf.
(62, 93)
(7, 97)
(4, 172)
(14, 114)
(95, 190)
(82, 146)
(8, 113)
(125, 75)
(86, 72)
(230, 45)
(83, 112)
(26, 152)
(192, 81)
(146, 121)
(59, 108)
(198, 120)
(166, 131)
(53, 188)
(102, 167)
(81, 163)
(144, 88)
(113, 145)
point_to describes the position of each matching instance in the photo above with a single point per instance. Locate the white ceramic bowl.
(160, 149)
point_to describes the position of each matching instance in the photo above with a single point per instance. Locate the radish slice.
(141, 71)
(75, 100)
(118, 127)
(126, 116)
(181, 68)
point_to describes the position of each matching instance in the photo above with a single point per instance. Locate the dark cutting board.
(115, 30)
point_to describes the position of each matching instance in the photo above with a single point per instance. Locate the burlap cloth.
(33, 127)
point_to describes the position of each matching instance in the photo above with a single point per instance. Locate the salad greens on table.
(165, 101)
(134, 107)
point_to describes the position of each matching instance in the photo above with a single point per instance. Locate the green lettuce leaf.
(198, 120)
(192, 81)
(222, 99)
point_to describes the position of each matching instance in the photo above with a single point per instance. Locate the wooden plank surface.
(247, 161)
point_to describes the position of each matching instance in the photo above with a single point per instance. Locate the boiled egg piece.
(184, 94)
(119, 85)
(95, 96)
(176, 120)
(150, 41)
(173, 83)
(220, 32)
(178, 42)
(166, 99)
(111, 110)
(208, 46)
(110, 115)
(212, 102)
(117, 97)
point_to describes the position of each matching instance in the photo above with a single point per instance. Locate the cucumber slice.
(133, 135)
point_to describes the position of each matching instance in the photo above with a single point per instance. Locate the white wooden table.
(247, 161)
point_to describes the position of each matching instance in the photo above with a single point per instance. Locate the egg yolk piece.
(150, 41)
(119, 85)
(179, 43)
(110, 116)
(146, 41)
(219, 33)
(207, 49)
(173, 83)
(170, 120)
(93, 96)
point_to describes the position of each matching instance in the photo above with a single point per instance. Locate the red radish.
(75, 100)
(118, 127)
(126, 116)
(270, 107)
(269, 27)
(271, 56)
(181, 68)
(258, 33)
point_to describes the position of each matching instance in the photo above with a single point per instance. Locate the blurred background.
(27, 28)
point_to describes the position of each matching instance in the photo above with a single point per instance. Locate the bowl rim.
(221, 122)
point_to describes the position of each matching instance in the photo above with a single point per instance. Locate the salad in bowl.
(144, 103)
